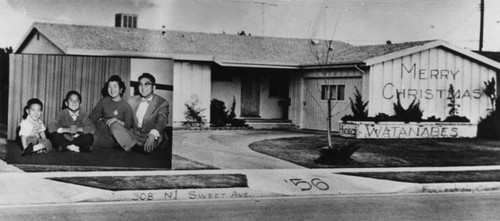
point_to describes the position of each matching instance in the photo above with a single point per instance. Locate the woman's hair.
(117, 79)
(28, 106)
(68, 95)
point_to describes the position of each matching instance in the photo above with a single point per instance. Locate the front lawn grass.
(387, 152)
(187, 181)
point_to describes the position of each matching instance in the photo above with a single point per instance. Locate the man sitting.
(150, 119)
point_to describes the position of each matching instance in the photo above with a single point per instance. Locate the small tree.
(453, 105)
(453, 113)
(490, 91)
(232, 113)
(358, 106)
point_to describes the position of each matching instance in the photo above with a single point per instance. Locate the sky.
(358, 22)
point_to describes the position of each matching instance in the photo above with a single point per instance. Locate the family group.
(137, 124)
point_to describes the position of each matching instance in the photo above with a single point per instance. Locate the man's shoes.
(86, 149)
(28, 150)
(138, 148)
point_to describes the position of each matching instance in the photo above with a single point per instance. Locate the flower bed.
(401, 130)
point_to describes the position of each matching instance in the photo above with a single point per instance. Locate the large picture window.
(333, 92)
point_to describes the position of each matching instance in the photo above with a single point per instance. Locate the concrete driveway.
(228, 149)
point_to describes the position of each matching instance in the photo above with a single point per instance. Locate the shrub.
(412, 113)
(381, 117)
(218, 113)
(238, 123)
(489, 127)
(220, 117)
(193, 112)
(456, 118)
(340, 155)
(358, 106)
(433, 119)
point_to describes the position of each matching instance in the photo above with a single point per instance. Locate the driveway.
(228, 149)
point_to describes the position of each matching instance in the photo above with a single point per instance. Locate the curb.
(261, 183)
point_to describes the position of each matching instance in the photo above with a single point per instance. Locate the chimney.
(123, 20)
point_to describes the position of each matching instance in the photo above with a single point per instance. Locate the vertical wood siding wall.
(315, 109)
(432, 92)
(50, 77)
(296, 92)
(191, 79)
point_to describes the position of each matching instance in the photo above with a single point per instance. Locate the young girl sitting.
(32, 129)
(72, 129)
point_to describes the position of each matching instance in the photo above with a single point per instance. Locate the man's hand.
(149, 144)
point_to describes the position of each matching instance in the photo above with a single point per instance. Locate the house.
(278, 78)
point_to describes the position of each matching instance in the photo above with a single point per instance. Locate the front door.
(250, 95)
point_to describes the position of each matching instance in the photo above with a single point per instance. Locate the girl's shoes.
(28, 150)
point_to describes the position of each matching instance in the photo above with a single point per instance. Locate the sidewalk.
(38, 188)
(226, 150)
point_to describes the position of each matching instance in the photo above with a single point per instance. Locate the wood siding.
(50, 77)
(315, 109)
(427, 76)
(191, 80)
(296, 92)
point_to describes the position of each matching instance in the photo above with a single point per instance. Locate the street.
(467, 206)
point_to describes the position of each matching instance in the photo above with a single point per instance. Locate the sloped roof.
(434, 44)
(493, 55)
(221, 47)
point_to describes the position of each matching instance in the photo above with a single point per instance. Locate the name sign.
(400, 130)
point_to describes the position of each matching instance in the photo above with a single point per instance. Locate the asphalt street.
(456, 206)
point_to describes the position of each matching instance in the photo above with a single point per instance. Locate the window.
(334, 92)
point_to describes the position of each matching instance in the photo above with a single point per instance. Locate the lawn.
(387, 152)
(434, 176)
(188, 181)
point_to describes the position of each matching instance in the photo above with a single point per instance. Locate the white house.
(279, 78)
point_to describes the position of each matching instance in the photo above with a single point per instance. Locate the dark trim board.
(158, 86)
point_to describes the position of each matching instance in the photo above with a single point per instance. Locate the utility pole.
(481, 28)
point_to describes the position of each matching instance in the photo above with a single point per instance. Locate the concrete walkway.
(228, 149)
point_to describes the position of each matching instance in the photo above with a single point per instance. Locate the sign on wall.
(432, 76)
(426, 76)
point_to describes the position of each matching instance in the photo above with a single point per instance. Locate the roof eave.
(430, 45)
(137, 54)
(257, 65)
(334, 65)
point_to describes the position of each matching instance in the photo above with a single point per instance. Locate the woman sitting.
(109, 110)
